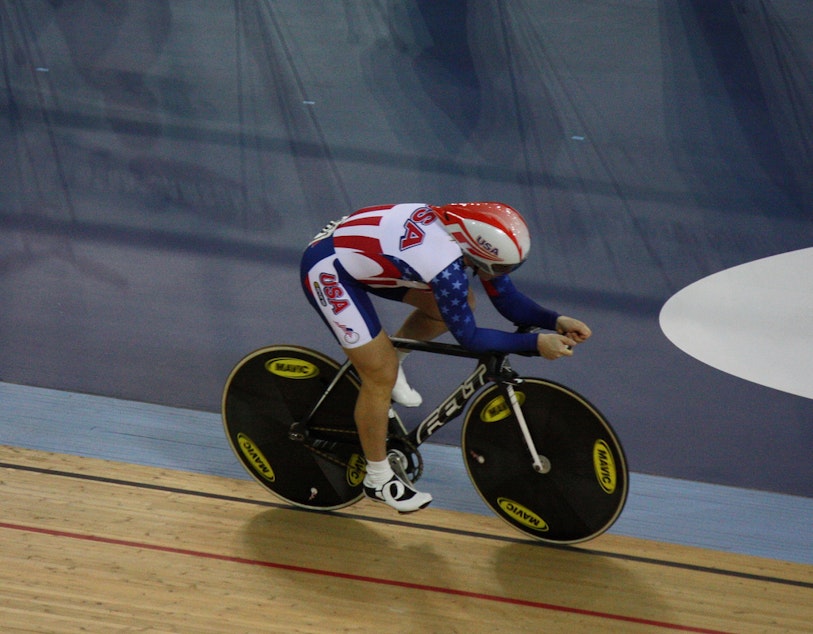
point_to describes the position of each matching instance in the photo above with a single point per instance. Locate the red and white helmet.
(493, 235)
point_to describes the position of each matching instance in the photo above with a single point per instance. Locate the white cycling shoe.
(402, 392)
(397, 493)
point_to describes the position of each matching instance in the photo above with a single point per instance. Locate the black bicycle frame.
(491, 368)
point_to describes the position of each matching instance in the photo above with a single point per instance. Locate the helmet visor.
(504, 269)
(495, 269)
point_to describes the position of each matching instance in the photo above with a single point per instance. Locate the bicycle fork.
(501, 372)
(540, 463)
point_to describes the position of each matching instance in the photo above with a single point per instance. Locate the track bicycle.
(540, 455)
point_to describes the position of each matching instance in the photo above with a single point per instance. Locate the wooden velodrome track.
(101, 546)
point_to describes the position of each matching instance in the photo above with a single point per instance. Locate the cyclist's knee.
(379, 377)
(376, 363)
(425, 302)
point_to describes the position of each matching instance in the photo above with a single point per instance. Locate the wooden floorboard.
(102, 546)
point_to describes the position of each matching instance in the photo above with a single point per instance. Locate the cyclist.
(419, 254)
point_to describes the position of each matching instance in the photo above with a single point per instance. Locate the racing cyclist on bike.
(419, 254)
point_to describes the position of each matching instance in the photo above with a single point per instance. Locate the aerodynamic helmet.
(493, 235)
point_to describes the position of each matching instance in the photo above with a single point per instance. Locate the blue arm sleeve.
(515, 306)
(450, 287)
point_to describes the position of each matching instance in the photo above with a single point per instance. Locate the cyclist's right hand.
(552, 346)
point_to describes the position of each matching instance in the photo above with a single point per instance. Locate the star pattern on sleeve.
(451, 291)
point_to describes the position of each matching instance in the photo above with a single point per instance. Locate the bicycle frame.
(492, 367)
(456, 402)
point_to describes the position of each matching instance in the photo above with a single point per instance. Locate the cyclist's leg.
(424, 323)
(349, 314)
(346, 308)
(376, 364)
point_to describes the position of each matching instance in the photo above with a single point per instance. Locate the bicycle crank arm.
(540, 463)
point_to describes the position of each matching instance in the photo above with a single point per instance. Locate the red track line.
(360, 578)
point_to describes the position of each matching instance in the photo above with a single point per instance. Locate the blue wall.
(164, 162)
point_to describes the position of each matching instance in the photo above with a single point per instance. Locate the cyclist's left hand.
(576, 330)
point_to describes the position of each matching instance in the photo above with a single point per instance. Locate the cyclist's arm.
(517, 307)
(450, 287)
